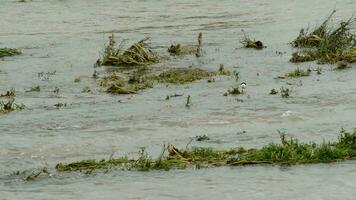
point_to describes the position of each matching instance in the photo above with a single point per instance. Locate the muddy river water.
(63, 38)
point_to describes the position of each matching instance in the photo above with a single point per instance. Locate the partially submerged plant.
(10, 105)
(36, 88)
(183, 75)
(9, 52)
(223, 71)
(273, 92)
(9, 93)
(234, 91)
(138, 54)
(179, 50)
(298, 73)
(201, 138)
(247, 42)
(327, 44)
(118, 85)
(86, 89)
(285, 92)
(199, 52)
(342, 65)
(287, 152)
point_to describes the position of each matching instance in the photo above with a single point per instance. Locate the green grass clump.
(327, 44)
(183, 75)
(9, 52)
(287, 152)
(139, 54)
(298, 73)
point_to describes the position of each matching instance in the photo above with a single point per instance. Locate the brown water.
(65, 37)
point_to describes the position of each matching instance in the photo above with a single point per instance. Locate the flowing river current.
(62, 39)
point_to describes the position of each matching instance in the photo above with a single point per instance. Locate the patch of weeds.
(9, 106)
(5, 52)
(138, 54)
(183, 75)
(285, 92)
(298, 73)
(318, 70)
(9, 93)
(327, 43)
(247, 42)
(273, 92)
(36, 88)
(288, 152)
(118, 85)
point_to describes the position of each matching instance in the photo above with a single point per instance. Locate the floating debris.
(4, 52)
(287, 152)
(138, 54)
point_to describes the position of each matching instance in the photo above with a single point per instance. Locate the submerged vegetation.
(4, 52)
(288, 152)
(138, 54)
(327, 43)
